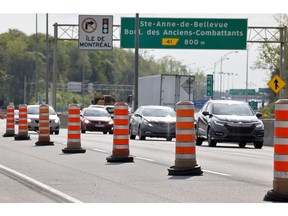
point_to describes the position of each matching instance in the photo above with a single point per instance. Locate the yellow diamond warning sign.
(276, 84)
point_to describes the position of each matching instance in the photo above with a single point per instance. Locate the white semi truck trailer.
(165, 89)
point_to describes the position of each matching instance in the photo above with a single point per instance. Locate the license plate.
(99, 125)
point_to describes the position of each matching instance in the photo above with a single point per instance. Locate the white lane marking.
(248, 155)
(217, 173)
(99, 150)
(145, 159)
(38, 184)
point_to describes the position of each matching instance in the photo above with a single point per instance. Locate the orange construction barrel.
(44, 126)
(121, 152)
(74, 128)
(279, 193)
(185, 157)
(10, 122)
(22, 124)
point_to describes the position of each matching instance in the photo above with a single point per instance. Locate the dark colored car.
(153, 121)
(96, 119)
(228, 121)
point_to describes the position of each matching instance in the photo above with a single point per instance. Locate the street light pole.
(221, 72)
(214, 79)
(246, 92)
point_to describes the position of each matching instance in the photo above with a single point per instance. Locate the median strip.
(37, 185)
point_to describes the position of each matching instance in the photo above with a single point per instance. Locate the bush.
(268, 110)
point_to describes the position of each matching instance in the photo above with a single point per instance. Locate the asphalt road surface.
(230, 174)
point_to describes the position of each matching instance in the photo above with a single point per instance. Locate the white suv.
(33, 119)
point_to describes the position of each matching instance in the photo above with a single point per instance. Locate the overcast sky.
(66, 13)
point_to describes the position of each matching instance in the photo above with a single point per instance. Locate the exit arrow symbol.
(88, 24)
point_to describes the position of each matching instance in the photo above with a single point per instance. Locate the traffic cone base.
(191, 171)
(22, 137)
(43, 143)
(114, 158)
(73, 150)
(9, 134)
(275, 196)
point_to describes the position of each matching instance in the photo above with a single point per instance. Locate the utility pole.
(136, 64)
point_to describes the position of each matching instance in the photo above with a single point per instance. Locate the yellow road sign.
(169, 41)
(276, 84)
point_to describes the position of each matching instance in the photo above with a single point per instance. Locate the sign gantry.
(254, 35)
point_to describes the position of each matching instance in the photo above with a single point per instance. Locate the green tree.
(21, 59)
(269, 57)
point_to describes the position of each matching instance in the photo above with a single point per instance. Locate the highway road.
(45, 175)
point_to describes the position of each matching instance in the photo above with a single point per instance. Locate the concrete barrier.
(269, 132)
(63, 119)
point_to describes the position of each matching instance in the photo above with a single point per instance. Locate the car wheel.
(131, 134)
(211, 142)
(57, 132)
(199, 141)
(111, 132)
(169, 138)
(258, 145)
(141, 137)
(83, 131)
(242, 144)
(104, 132)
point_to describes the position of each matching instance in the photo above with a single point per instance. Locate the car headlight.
(111, 122)
(259, 124)
(146, 122)
(218, 122)
(86, 121)
(57, 121)
(29, 120)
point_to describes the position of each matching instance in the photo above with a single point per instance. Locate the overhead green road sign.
(184, 33)
(209, 90)
(242, 91)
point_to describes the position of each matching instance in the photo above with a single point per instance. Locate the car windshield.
(159, 112)
(96, 112)
(35, 111)
(232, 109)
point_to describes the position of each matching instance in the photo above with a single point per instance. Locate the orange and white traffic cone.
(74, 128)
(44, 126)
(121, 151)
(22, 124)
(279, 193)
(10, 122)
(185, 159)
